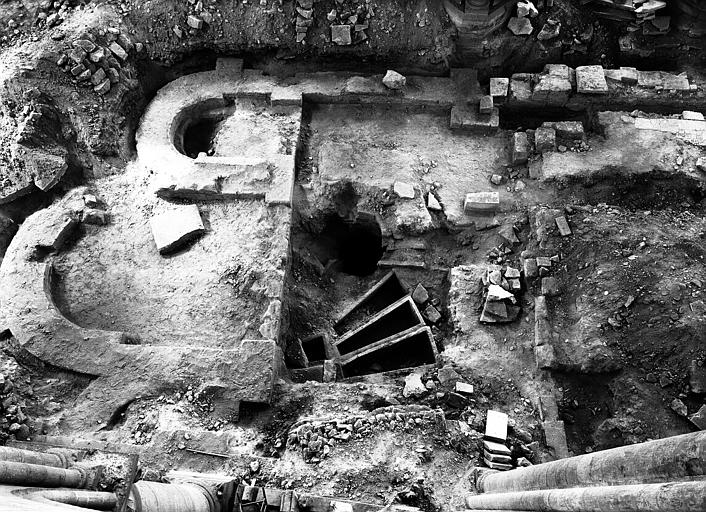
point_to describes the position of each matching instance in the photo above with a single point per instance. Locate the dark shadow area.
(394, 321)
(356, 244)
(407, 353)
(198, 137)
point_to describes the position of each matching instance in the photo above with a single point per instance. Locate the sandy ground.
(212, 294)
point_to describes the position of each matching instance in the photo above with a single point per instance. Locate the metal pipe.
(30, 457)
(663, 460)
(94, 500)
(20, 473)
(664, 497)
(158, 497)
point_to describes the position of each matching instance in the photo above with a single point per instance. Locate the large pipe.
(158, 497)
(664, 497)
(19, 473)
(663, 460)
(94, 500)
(30, 457)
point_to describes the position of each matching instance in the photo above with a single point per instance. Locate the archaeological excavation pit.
(352, 256)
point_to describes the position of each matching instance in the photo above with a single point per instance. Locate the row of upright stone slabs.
(384, 331)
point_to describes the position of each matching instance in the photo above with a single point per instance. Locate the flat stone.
(692, 116)
(175, 227)
(433, 203)
(544, 261)
(496, 293)
(563, 226)
(496, 426)
(497, 448)
(545, 139)
(420, 294)
(194, 22)
(481, 202)
(486, 105)
(499, 87)
(512, 273)
(413, 385)
(520, 26)
(555, 437)
(550, 287)
(394, 80)
(431, 314)
(341, 34)
(404, 190)
(591, 80)
(520, 148)
(464, 388)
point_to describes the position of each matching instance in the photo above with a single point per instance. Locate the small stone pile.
(98, 61)
(305, 18)
(350, 19)
(501, 285)
(316, 438)
(52, 13)
(198, 18)
(13, 420)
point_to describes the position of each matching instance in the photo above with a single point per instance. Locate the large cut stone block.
(481, 202)
(591, 80)
(176, 227)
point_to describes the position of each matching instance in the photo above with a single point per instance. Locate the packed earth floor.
(286, 262)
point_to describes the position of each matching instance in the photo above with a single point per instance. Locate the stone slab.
(496, 426)
(591, 80)
(175, 227)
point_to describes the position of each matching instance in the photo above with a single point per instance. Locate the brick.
(520, 148)
(486, 105)
(563, 226)
(499, 87)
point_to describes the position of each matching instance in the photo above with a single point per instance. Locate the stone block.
(550, 287)
(555, 437)
(567, 130)
(394, 80)
(591, 80)
(431, 314)
(341, 34)
(464, 388)
(520, 26)
(496, 448)
(118, 51)
(175, 227)
(496, 426)
(403, 190)
(499, 87)
(692, 116)
(94, 216)
(420, 295)
(520, 148)
(545, 139)
(697, 378)
(531, 269)
(544, 356)
(535, 168)
(486, 105)
(520, 88)
(481, 202)
(194, 22)
(563, 225)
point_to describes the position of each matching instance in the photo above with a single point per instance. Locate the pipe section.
(94, 500)
(27, 456)
(665, 497)
(19, 473)
(663, 460)
(158, 497)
